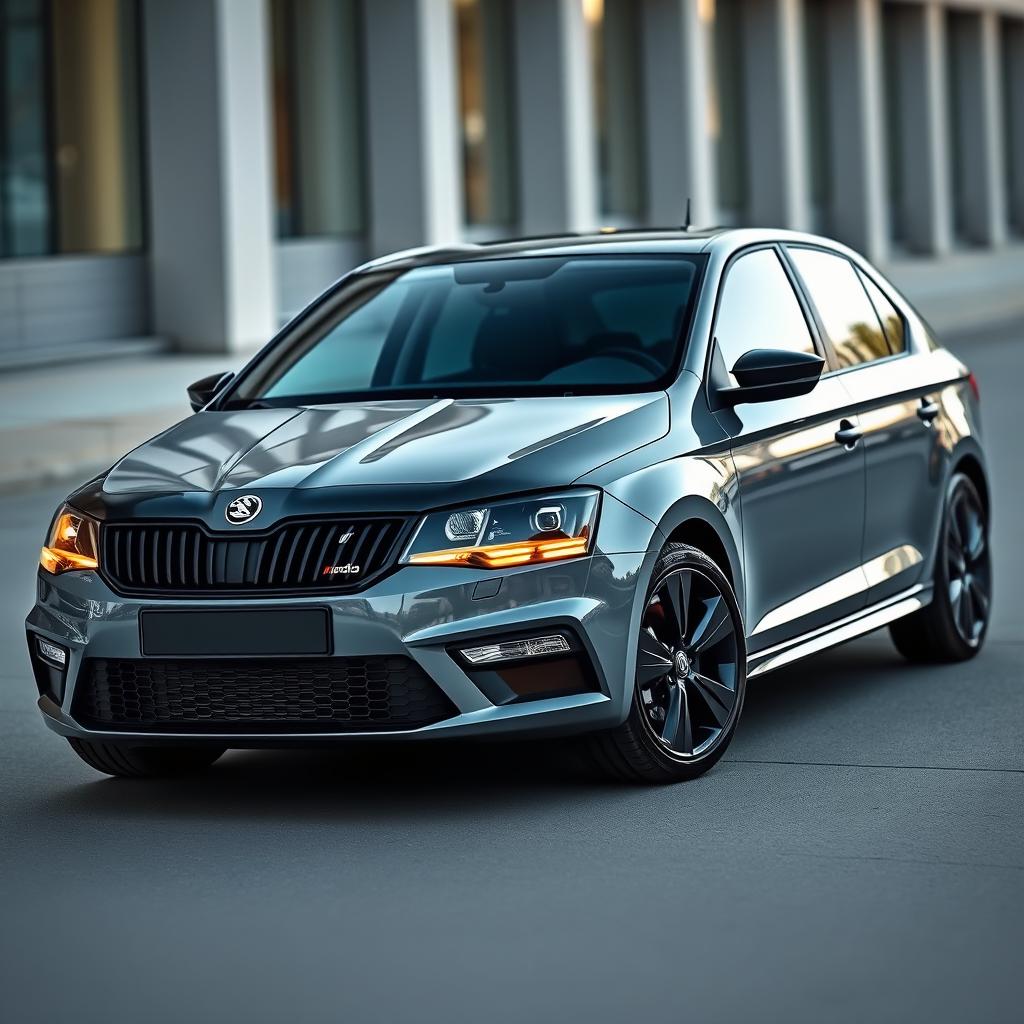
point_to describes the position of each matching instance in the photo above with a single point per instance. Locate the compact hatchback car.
(585, 485)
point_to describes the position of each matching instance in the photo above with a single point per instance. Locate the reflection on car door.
(897, 402)
(801, 489)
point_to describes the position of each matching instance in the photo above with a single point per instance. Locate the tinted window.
(552, 324)
(758, 309)
(892, 320)
(843, 305)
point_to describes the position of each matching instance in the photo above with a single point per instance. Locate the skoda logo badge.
(242, 509)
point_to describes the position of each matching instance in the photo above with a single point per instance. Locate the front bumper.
(417, 612)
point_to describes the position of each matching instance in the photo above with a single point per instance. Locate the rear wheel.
(953, 626)
(145, 762)
(690, 675)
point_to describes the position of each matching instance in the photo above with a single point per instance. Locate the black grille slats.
(258, 694)
(185, 558)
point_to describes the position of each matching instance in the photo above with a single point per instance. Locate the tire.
(145, 762)
(695, 699)
(962, 585)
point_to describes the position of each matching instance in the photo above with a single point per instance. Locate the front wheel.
(690, 675)
(145, 762)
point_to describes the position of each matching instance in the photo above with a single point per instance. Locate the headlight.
(73, 543)
(510, 533)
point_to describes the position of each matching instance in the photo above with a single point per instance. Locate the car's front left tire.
(145, 762)
(690, 675)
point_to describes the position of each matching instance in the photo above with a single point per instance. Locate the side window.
(758, 309)
(892, 320)
(843, 305)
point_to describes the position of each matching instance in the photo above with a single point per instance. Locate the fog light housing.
(49, 666)
(51, 652)
(515, 650)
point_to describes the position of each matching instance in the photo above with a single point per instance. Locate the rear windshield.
(583, 324)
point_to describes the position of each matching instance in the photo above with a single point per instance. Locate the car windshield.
(539, 325)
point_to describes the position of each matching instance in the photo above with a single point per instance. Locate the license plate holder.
(227, 632)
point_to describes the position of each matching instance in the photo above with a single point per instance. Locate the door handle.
(848, 435)
(927, 411)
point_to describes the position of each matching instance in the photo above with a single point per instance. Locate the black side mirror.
(203, 391)
(767, 374)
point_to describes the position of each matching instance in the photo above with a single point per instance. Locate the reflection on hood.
(407, 442)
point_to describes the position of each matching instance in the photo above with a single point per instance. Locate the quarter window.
(892, 321)
(759, 309)
(843, 305)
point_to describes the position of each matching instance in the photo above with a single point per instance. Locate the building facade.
(196, 170)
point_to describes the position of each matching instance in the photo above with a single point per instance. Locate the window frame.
(810, 315)
(832, 367)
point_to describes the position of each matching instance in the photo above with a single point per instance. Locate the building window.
(816, 61)
(70, 151)
(1012, 54)
(729, 125)
(616, 69)
(318, 126)
(893, 111)
(485, 111)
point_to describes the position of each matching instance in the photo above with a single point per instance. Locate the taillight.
(973, 381)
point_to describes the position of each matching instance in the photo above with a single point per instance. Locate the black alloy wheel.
(687, 663)
(953, 626)
(690, 675)
(968, 569)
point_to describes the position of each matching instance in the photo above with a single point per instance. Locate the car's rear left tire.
(145, 762)
(690, 676)
(953, 627)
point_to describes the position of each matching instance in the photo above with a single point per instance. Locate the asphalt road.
(858, 855)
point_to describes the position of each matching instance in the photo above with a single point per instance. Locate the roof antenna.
(686, 226)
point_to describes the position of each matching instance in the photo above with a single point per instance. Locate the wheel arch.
(970, 464)
(700, 523)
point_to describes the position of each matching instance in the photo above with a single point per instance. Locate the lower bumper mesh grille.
(258, 695)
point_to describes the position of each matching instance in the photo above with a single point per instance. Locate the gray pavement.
(858, 856)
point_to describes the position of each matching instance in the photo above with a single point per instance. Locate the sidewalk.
(66, 423)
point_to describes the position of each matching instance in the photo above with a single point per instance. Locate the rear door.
(897, 409)
(801, 490)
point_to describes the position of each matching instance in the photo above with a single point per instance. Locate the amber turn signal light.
(502, 556)
(72, 543)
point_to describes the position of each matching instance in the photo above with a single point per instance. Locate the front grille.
(258, 695)
(154, 558)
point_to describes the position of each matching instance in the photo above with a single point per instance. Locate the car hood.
(398, 450)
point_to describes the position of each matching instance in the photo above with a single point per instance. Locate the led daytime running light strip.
(501, 556)
(58, 560)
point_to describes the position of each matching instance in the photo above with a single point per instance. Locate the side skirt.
(866, 621)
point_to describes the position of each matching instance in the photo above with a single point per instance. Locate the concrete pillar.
(980, 178)
(210, 173)
(926, 213)
(776, 120)
(677, 63)
(555, 117)
(414, 171)
(857, 212)
(1013, 95)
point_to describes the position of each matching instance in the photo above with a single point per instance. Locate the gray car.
(575, 485)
